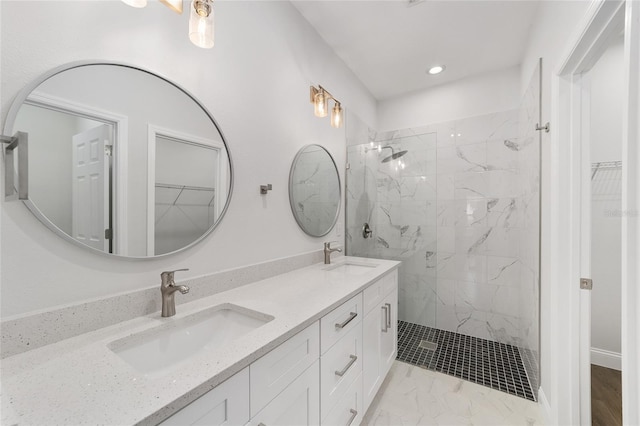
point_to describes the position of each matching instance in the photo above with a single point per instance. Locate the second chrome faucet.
(168, 289)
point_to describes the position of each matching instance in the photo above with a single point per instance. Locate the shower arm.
(380, 149)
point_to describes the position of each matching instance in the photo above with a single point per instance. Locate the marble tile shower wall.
(397, 199)
(455, 214)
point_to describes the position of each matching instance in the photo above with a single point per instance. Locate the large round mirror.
(121, 160)
(314, 190)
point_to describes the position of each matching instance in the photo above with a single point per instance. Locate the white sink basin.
(158, 350)
(351, 267)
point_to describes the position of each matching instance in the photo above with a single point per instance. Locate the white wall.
(607, 95)
(555, 24)
(255, 82)
(478, 95)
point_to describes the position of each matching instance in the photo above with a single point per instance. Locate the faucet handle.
(167, 276)
(327, 246)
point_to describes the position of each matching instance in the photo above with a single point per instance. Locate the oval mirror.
(122, 161)
(314, 190)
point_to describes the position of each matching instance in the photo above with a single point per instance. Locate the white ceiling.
(390, 44)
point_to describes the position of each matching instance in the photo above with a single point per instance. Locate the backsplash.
(31, 331)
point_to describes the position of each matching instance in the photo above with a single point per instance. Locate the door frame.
(570, 314)
(120, 171)
(153, 131)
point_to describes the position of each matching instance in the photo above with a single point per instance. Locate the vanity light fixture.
(336, 116)
(175, 5)
(200, 18)
(320, 100)
(201, 23)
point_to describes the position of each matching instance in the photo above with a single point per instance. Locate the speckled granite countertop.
(81, 381)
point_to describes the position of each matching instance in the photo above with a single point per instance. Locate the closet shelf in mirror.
(171, 194)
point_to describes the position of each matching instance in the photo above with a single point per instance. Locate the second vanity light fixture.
(200, 19)
(320, 100)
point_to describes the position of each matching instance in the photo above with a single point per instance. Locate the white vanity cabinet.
(285, 383)
(226, 404)
(297, 405)
(341, 362)
(326, 374)
(380, 333)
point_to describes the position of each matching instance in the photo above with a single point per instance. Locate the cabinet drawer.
(373, 295)
(297, 405)
(349, 409)
(340, 321)
(339, 367)
(226, 404)
(272, 373)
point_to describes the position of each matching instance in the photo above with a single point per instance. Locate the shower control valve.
(366, 231)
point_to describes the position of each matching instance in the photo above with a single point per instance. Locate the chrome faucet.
(168, 289)
(327, 252)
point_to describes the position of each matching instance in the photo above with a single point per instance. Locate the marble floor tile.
(412, 395)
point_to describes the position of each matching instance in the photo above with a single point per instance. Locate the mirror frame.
(292, 204)
(24, 94)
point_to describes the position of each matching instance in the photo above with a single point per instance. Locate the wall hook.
(265, 188)
(545, 127)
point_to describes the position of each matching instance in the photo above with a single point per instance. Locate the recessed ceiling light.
(436, 69)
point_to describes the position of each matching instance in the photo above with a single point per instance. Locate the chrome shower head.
(394, 155)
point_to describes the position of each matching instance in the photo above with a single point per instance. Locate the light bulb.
(336, 116)
(320, 103)
(135, 3)
(201, 23)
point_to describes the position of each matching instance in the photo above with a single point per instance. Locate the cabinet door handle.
(354, 414)
(261, 424)
(348, 366)
(352, 315)
(388, 305)
(386, 314)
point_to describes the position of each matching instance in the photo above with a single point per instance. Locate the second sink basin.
(161, 348)
(351, 267)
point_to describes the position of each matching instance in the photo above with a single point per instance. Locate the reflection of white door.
(90, 187)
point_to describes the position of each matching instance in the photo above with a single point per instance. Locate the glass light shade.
(175, 5)
(336, 116)
(135, 3)
(201, 23)
(321, 104)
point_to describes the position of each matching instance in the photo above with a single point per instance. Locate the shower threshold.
(485, 362)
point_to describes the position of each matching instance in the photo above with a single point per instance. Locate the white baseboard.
(544, 404)
(606, 359)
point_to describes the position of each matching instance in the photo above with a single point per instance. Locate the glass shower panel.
(391, 186)
(529, 155)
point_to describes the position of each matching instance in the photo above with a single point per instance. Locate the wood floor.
(606, 396)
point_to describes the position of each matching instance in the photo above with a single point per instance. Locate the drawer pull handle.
(348, 366)
(354, 414)
(388, 305)
(352, 315)
(385, 322)
(261, 424)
